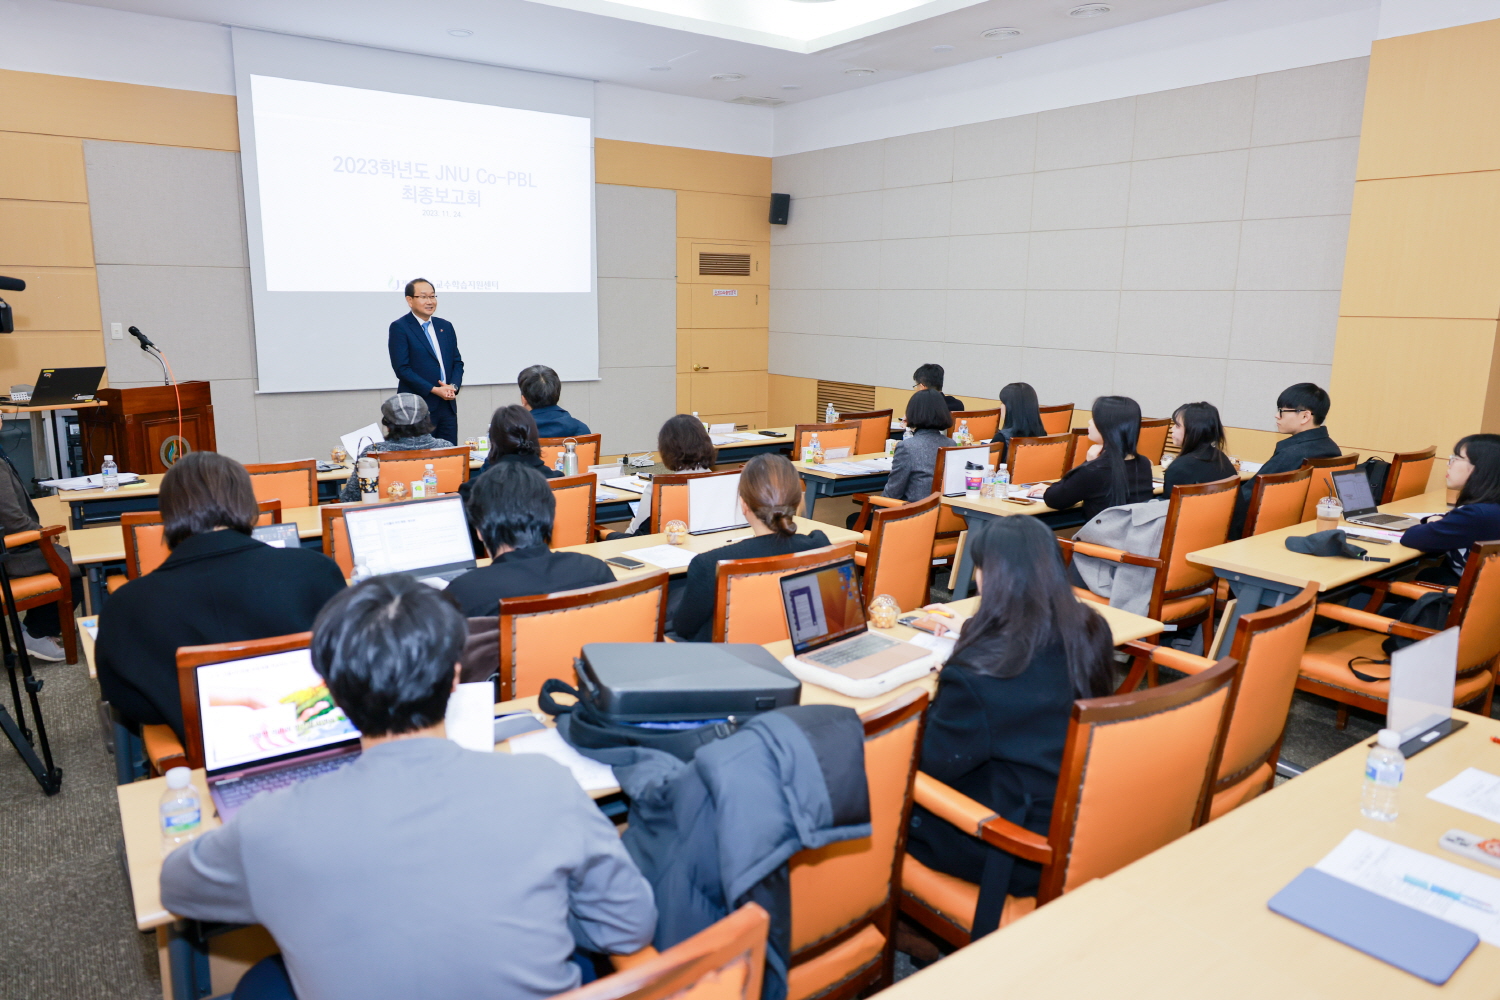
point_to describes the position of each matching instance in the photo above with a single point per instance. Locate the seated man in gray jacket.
(421, 869)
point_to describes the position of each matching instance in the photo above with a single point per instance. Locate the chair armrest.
(1414, 589)
(1371, 622)
(1166, 656)
(979, 820)
(623, 962)
(27, 537)
(163, 749)
(1113, 555)
(866, 501)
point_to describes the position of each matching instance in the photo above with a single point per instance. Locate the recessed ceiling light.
(942, 48)
(859, 71)
(791, 86)
(759, 102)
(1000, 33)
(728, 77)
(1090, 10)
(460, 32)
(660, 69)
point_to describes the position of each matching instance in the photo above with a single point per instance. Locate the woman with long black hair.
(1199, 436)
(1474, 470)
(1113, 475)
(996, 729)
(1020, 415)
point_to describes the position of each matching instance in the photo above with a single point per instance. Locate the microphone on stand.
(146, 343)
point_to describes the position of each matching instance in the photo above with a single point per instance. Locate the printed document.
(1473, 791)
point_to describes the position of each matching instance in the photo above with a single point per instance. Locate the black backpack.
(1375, 470)
(585, 727)
(1428, 611)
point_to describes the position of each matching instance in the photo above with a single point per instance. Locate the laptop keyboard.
(1375, 519)
(855, 649)
(235, 794)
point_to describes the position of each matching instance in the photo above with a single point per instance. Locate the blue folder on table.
(1409, 939)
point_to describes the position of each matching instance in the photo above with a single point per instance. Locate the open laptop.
(427, 538)
(825, 614)
(59, 386)
(1359, 503)
(266, 722)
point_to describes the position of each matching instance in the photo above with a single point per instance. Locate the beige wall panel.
(748, 306)
(1248, 444)
(688, 250)
(791, 400)
(639, 164)
(56, 299)
(685, 393)
(714, 216)
(1425, 246)
(728, 392)
(124, 112)
(42, 168)
(45, 234)
(684, 351)
(1490, 421)
(1380, 403)
(22, 355)
(725, 350)
(1429, 103)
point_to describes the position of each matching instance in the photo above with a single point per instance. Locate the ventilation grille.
(759, 102)
(846, 397)
(734, 264)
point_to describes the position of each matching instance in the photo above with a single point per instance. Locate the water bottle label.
(183, 822)
(1390, 774)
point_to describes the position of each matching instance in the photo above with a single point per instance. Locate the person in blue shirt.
(1473, 470)
(540, 391)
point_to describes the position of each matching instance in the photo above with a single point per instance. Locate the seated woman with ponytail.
(769, 494)
(1113, 475)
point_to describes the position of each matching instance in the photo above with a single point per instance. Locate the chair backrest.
(725, 961)
(899, 558)
(450, 464)
(587, 446)
(1152, 440)
(1476, 608)
(847, 890)
(1277, 500)
(1057, 419)
(270, 512)
(1408, 474)
(1035, 460)
(669, 496)
(982, 423)
(189, 658)
(1198, 518)
(336, 538)
(574, 522)
(295, 484)
(874, 428)
(1079, 452)
(145, 542)
(1322, 480)
(747, 596)
(540, 636)
(1136, 772)
(830, 436)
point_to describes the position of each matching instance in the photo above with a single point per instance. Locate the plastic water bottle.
(1002, 482)
(830, 415)
(1384, 769)
(109, 472)
(430, 479)
(816, 447)
(962, 435)
(181, 810)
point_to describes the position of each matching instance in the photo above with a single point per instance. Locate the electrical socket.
(117, 331)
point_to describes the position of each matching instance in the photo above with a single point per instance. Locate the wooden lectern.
(139, 426)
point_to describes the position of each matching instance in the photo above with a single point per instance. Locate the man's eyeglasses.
(1288, 409)
(425, 298)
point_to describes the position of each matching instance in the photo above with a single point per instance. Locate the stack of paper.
(663, 556)
(630, 483)
(590, 774)
(88, 482)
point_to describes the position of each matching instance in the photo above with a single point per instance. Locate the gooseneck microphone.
(146, 344)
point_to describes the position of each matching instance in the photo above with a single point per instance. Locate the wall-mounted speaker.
(781, 208)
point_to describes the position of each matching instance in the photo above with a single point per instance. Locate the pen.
(1459, 897)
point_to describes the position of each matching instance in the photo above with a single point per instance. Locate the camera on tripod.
(8, 318)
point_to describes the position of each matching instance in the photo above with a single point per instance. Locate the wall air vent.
(731, 264)
(846, 397)
(759, 102)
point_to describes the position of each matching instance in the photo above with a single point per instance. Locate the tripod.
(47, 774)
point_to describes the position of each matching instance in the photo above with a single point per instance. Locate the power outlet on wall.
(117, 331)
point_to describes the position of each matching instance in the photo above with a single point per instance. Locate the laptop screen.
(822, 606)
(264, 707)
(1354, 491)
(417, 536)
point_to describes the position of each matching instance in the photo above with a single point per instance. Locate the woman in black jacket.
(996, 729)
(1199, 437)
(218, 585)
(1113, 475)
(769, 494)
(513, 438)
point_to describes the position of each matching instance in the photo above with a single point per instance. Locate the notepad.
(1473, 791)
(664, 556)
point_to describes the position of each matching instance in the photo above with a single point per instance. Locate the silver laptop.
(267, 722)
(427, 538)
(825, 614)
(1359, 503)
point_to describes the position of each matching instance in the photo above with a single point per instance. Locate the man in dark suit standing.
(424, 355)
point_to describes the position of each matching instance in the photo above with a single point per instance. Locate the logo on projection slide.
(729, 292)
(172, 449)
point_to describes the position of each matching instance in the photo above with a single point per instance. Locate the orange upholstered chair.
(1269, 643)
(1476, 612)
(874, 428)
(540, 636)
(270, 512)
(1408, 474)
(52, 587)
(587, 446)
(1277, 500)
(1322, 480)
(1079, 453)
(450, 464)
(726, 961)
(950, 523)
(574, 522)
(295, 484)
(189, 658)
(1136, 772)
(163, 749)
(669, 496)
(982, 423)
(747, 596)
(1057, 419)
(844, 895)
(1152, 442)
(897, 552)
(831, 436)
(1036, 459)
(1182, 592)
(336, 538)
(145, 542)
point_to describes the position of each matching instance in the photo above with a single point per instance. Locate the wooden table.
(976, 511)
(745, 450)
(1264, 572)
(693, 543)
(822, 483)
(1191, 920)
(90, 507)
